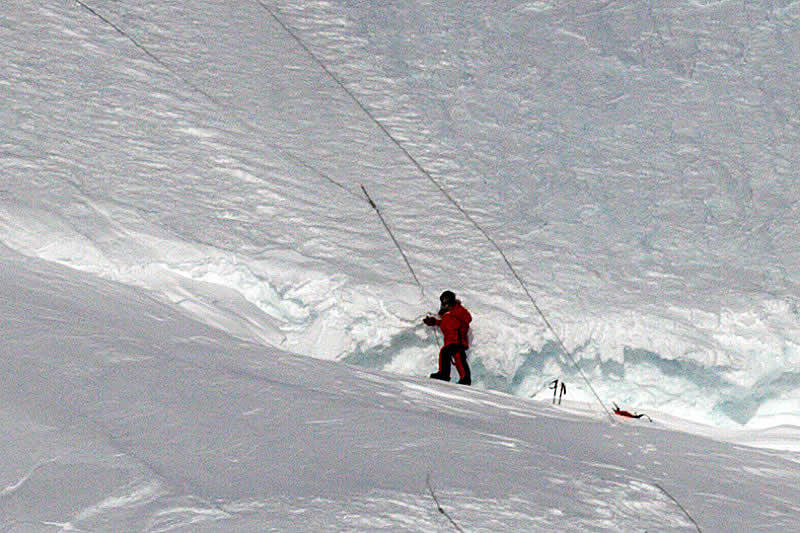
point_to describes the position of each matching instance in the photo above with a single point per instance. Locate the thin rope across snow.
(253, 128)
(446, 194)
(394, 240)
(439, 505)
(466, 215)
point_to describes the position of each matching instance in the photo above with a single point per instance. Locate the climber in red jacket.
(454, 322)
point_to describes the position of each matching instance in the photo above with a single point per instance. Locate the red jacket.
(455, 325)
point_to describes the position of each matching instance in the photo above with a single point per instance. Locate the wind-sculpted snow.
(121, 413)
(635, 161)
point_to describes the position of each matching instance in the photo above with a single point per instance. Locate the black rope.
(253, 128)
(394, 239)
(413, 160)
(148, 53)
(439, 505)
(466, 215)
(676, 502)
(336, 79)
(446, 194)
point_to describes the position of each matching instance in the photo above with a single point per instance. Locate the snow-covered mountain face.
(635, 161)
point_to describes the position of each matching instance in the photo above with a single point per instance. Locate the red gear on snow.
(628, 414)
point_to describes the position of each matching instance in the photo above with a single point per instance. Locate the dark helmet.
(448, 300)
(447, 297)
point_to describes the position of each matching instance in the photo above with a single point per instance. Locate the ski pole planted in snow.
(558, 391)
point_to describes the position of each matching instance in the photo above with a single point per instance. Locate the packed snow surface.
(121, 413)
(182, 217)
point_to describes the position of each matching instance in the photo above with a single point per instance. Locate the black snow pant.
(456, 354)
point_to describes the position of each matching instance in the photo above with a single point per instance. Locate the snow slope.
(182, 223)
(635, 161)
(121, 413)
